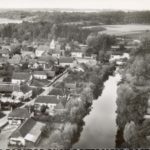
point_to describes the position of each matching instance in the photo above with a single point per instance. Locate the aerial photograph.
(74, 74)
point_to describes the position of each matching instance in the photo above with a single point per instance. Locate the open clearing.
(125, 29)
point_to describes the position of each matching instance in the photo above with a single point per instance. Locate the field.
(127, 30)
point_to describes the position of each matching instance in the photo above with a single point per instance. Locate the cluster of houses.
(40, 62)
(29, 131)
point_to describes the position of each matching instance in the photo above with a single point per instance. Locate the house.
(50, 73)
(21, 77)
(50, 101)
(56, 54)
(28, 51)
(6, 47)
(66, 61)
(59, 108)
(40, 75)
(46, 62)
(71, 86)
(57, 92)
(28, 134)
(5, 53)
(33, 64)
(83, 47)
(24, 93)
(77, 53)
(41, 50)
(8, 88)
(115, 47)
(86, 60)
(18, 116)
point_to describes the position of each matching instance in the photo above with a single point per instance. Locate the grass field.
(130, 29)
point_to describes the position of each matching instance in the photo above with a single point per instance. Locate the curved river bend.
(100, 125)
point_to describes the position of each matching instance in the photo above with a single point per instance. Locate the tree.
(129, 132)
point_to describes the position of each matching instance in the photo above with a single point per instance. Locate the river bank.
(68, 130)
(132, 101)
(100, 125)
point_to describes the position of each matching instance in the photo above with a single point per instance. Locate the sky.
(78, 4)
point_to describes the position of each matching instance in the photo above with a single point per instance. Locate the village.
(29, 87)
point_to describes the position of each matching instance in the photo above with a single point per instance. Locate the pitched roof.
(35, 132)
(24, 128)
(66, 60)
(47, 99)
(19, 113)
(50, 73)
(70, 85)
(46, 59)
(56, 91)
(8, 87)
(43, 48)
(21, 75)
(25, 88)
(59, 106)
(39, 73)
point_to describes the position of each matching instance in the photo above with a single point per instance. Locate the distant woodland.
(106, 17)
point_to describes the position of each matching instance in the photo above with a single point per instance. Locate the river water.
(100, 125)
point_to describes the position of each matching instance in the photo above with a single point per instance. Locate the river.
(100, 125)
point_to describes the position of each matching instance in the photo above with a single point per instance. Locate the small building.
(28, 134)
(40, 75)
(57, 92)
(28, 52)
(56, 54)
(41, 50)
(77, 53)
(50, 101)
(50, 73)
(115, 47)
(86, 60)
(59, 108)
(24, 93)
(71, 86)
(18, 116)
(46, 62)
(66, 61)
(21, 77)
(8, 88)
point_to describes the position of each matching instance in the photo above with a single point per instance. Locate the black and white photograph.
(74, 74)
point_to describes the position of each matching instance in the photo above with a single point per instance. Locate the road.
(46, 91)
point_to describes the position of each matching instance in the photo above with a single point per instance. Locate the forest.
(105, 17)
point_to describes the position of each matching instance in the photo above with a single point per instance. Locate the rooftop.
(21, 75)
(66, 60)
(56, 91)
(39, 73)
(19, 113)
(47, 99)
(8, 87)
(43, 48)
(29, 127)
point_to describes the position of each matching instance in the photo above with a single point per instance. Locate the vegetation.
(133, 94)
